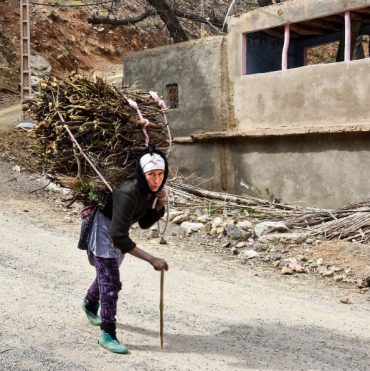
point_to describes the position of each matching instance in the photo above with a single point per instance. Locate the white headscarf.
(152, 162)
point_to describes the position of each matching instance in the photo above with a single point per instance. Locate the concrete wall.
(321, 170)
(310, 96)
(197, 68)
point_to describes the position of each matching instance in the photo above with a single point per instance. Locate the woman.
(109, 241)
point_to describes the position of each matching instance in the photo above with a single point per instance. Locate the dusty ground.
(219, 314)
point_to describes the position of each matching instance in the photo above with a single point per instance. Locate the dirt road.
(218, 315)
(9, 115)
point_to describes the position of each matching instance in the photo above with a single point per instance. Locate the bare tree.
(172, 13)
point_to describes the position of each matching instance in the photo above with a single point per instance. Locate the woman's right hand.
(159, 264)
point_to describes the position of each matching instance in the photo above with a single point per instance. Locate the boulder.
(235, 233)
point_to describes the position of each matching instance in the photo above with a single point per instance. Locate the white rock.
(328, 273)
(240, 245)
(217, 222)
(202, 219)
(268, 227)
(285, 238)
(174, 213)
(68, 219)
(57, 188)
(320, 261)
(299, 269)
(190, 227)
(180, 218)
(228, 221)
(292, 263)
(16, 168)
(251, 254)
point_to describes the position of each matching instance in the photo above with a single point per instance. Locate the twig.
(6, 350)
(39, 189)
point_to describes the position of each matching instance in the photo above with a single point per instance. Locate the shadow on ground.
(273, 346)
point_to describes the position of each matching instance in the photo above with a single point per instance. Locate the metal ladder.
(25, 49)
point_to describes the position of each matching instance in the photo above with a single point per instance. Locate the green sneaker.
(92, 317)
(113, 345)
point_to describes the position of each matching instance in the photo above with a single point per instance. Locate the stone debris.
(180, 218)
(235, 250)
(203, 218)
(235, 233)
(346, 300)
(246, 225)
(153, 232)
(250, 254)
(174, 213)
(190, 227)
(284, 238)
(264, 228)
(54, 187)
(217, 222)
(328, 273)
(226, 245)
(320, 261)
(338, 278)
(287, 271)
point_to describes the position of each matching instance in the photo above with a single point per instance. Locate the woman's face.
(154, 179)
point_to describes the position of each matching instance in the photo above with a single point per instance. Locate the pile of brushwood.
(108, 129)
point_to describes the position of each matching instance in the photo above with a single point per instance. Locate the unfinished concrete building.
(261, 111)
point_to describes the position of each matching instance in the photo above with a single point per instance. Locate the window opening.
(324, 53)
(172, 96)
(330, 39)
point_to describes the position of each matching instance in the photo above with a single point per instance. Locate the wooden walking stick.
(161, 305)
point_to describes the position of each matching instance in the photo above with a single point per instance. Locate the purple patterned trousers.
(105, 288)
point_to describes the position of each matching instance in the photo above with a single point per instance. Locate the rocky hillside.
(62, 38)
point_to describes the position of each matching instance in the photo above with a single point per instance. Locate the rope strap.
(143, 120)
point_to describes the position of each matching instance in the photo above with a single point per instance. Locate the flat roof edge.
(183, 45)
(291, 12)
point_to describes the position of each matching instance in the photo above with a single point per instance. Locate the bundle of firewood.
(106, 124)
